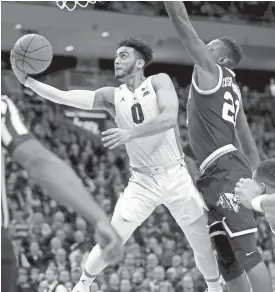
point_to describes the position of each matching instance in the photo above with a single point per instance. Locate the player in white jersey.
(146, 111)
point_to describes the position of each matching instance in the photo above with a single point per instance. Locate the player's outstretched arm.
(189, 37)
(83, 99)
(246, 140)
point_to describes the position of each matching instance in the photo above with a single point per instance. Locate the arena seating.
(157, 255)
(252, 11)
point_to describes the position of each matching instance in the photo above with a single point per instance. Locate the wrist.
(257, 203)
(132, 134)
(27, 82)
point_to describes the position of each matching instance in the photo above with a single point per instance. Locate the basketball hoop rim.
(64, 5)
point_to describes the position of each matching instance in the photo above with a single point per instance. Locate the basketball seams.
(33, 53)
(29, 52)
(26, 63)
(32, 57)
(25, 51)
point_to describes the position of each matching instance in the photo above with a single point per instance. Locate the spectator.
(125, 286)
(19, 226)
(113, 283)
(60, 260)
(94, 287)
(186, 284)
(35, 256)
(23, 281)
(64, 276)
(35, 278)
(137, 281)
(54, 285)
(43, 286)
(152, 261)
(55, 245)
(75, 274)
(20, 255)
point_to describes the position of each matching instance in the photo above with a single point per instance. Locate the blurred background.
(51, 242)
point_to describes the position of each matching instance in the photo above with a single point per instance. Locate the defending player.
(258, 193)
(215, 116)
(56, 178)
(146, 111)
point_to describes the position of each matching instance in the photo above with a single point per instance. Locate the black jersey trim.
(210, 91)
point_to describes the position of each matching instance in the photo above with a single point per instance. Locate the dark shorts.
(8, 264)
(217, 187)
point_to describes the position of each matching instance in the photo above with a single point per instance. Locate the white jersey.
(135, 108)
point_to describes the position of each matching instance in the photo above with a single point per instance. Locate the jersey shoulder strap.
(223, 71)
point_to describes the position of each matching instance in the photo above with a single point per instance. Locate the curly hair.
(139, 45)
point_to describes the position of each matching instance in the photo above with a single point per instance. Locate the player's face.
(125, 62)
(218, 50)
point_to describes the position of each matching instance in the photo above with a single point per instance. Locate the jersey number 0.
(137, 113)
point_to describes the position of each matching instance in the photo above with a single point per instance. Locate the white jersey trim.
(210, 91)
(239, 233)
(215, 155)
(233, 73)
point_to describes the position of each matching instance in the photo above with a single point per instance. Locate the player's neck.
(134, 82)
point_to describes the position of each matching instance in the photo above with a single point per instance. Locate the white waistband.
(153, 170)
(215, 155)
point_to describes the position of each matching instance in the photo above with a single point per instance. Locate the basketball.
(32, 53)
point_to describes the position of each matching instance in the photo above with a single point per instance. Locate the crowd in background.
(262, 11)
(51, 242)
(244, 11)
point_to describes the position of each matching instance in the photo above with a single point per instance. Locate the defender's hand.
(21, 75)
(116, 137)
(109, 241)
(247, 189)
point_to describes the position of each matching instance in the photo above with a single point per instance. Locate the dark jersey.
(212, 114)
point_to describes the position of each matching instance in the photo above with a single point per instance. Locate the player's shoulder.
(160, 80)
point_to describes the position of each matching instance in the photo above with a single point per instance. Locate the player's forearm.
(265, 204)
(83, 99)
(176, 9)
(268, 206)
(179, 16)
(253, 155)
(161, 123)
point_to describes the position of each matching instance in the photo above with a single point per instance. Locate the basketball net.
(71, 5)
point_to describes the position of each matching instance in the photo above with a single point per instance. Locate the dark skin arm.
(246, 140)
(206, 65)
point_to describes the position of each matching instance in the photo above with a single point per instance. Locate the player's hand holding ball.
(21, 75)
(31, 54)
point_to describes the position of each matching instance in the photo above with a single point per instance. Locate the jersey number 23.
(230, 108)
